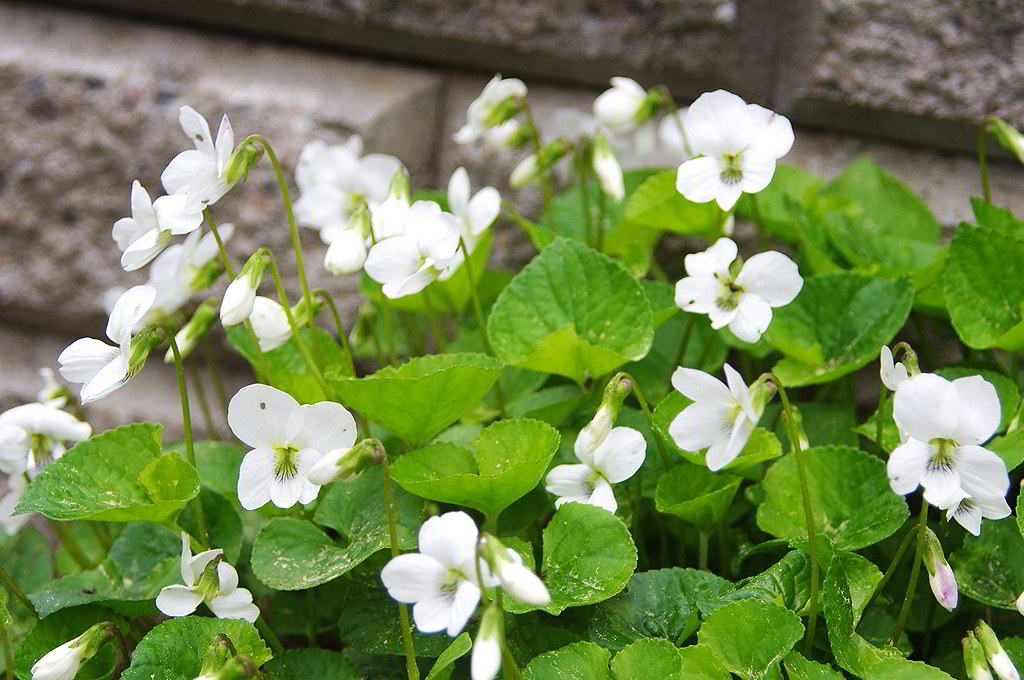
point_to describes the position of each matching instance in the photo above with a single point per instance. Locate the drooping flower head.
(287, 440)
(440, 580)
(64, 662)
(940, 575)
(743, 301)
(737, 145)
(499, 102)
(421, 245)
(514, 577)
(994, 652)
(201, 174)
(624, 106)
(207, 578)
(102, 368)
(615, 459)
(32, 435)
(893, 373)
(486, 660)
(142, 236)
(185, 270)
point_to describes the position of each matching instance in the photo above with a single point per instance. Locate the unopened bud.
(235, 668)
(486, 660)
(66, 660)
(940, 575)
(1008, 136)
(505, 110)
(220, 651)
(193, 331)
(607, 169)
(994, 652)
(974, 659)
(245, 156)
(144, 342)
(342, 464)
(515, 578)
(399, 187)
(536, 165)
(241, 293)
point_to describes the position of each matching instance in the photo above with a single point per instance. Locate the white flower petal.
(621, 454)
(458, 191)
(777, 135)
(261, 416)
(752, 318)
(700, 179)
(467, 596)
(979, 412)
(907, 464)
(414, 577)
(178, 600)
(893, 374)
(713, 261)
(184, 168)
(603, 496)
(236, 605)
(434, 614)
(701, 425)
(982, 473)
(128, 311)
(449, 538)
(326, 425)
(107, 379)
(928, 407)
(256, 478)
(570, 481)
(520, 582)
(197, 130)
(740, 392)
(771, 276)
(700, 386)
(486, 660)
(724, 451)
(698, 294)
(227, 577)
(718, 123)
(393, 259)
(483, 209)
(347, 252)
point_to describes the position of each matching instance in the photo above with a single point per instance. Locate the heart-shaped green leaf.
(572, 311)
(657, 204)
(120, 475)
(423, 396)
(589, 556)
(837, 324)
(175, 649)
(505, 461)
(850, 497)
(696, 495)
(988, 567)
(578, 661)
(750, 636)
(648, 658)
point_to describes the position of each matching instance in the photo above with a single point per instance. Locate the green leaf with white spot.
(983, 288)
(988, 567)
(295, 554)
(589, 556)
(423, 396)
(573, 312)
(750, 637)
(175, 649)
(505, 461)
(696, 495)
(578, 661)
(850, 498)
(837, 324)
(800, 668)
(120, 475)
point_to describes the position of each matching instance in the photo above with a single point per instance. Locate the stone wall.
(89, 98)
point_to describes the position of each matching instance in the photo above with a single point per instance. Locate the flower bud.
(509, 135)
(607, 169)
(515, 578)
(940, 575)
(65, 661)
(486, 660)
(143, 342)
(399, 187)
(974, 659)
(994, 652)
(193, 331)
(269, 323)
(626, 105)
(1008, 137)
(534, 166)
(594, 432)
(342, 464)
(220, 651)
(347, 252)
(245, 156)
(235, 668)
(892, 372)
(505, 110)
(241, 293)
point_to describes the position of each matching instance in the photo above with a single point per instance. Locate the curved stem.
(588, 220)
(307, 357)
(282, 183)
(339, 327)
(880, 418)
(546, 188)
(15, 590)
(893, 565)
(71, 544)
(983, 161)
(268, 634)
(411, 668)
(186, 419)
(915, 572)
(204, 404)
(666, 461)
(805, 495)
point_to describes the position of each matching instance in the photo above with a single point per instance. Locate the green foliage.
(301, 664)
(175, 649)
(53, 631)
(987, 567)
(749, 637)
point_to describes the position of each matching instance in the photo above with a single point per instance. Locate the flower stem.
(5, 644)
(602, 203)
(474, 296)
(15, 590)
(812, 529)
(588, 220)
(882, 395)
(684, 341)
(915, 572)
(100, 532)
(71, 544)
(339, 328)
(204, 404)
(703, 538)
(666, 461)
(307, 357)
(268, 634)
(545, 180)
(894, 564)
(186, 419)
(311, 618)
(282, 183)
(435, 325)
(218, 383)
(986, 189)
(411, 668)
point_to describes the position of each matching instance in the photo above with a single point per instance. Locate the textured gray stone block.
(89, 103)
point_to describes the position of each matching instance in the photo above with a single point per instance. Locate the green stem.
(601, 205)
(5, 644)
(15, 590)
(478, 311)
(282, 183)
(703, 539)
(267, 633)
(666, 461)
(218, 383)
(915, 572)
(893, 565)
(71, 544)
(100, 533)
(588, 219)
(983, 161)
(882, 395)
(307, 357)
(812, 529)
(684, 341)
(311, 618)
(435, 324)
(186, 419)
(224, 258)
(339, 327)
(411, 668)
(204, 404)
(546, 187)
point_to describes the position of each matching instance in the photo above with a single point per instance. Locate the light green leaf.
(423, 396)
(995, 217)
(983, 288)
(589, 556)
(657, 205)
(988, 567)
(646, 659)
(696, 495)
(53, 631)
(750, 636)
(223, 524)
(800, 668)
(700, 663)
(578, 661)
(664, 603)
(459, 648)
(175, 649)
(876, 251)
(28, 558)
(773, 212)
(218, 464)
(311, 664)
(1009, 447)
(120, 475)
(287, 370)
(295, 554)
(574, 312)
(850, 498)
(837, 324)
(505, 461)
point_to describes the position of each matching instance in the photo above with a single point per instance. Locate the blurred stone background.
(90, 90)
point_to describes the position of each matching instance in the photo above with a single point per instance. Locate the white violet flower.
(440, 580)
(486, 111)
(422, 245)
(64, 661)
(737, 145)
(893, 373)
(269, 323)
(175, 273)
(142, 236)
(614, 460)
(720, 419)
(607, 169)
(621, 108)
(221, 593)
(474, 212)
(287, 440)
(33, 434)
(201, 174)
(102, 368)
(743, 301)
